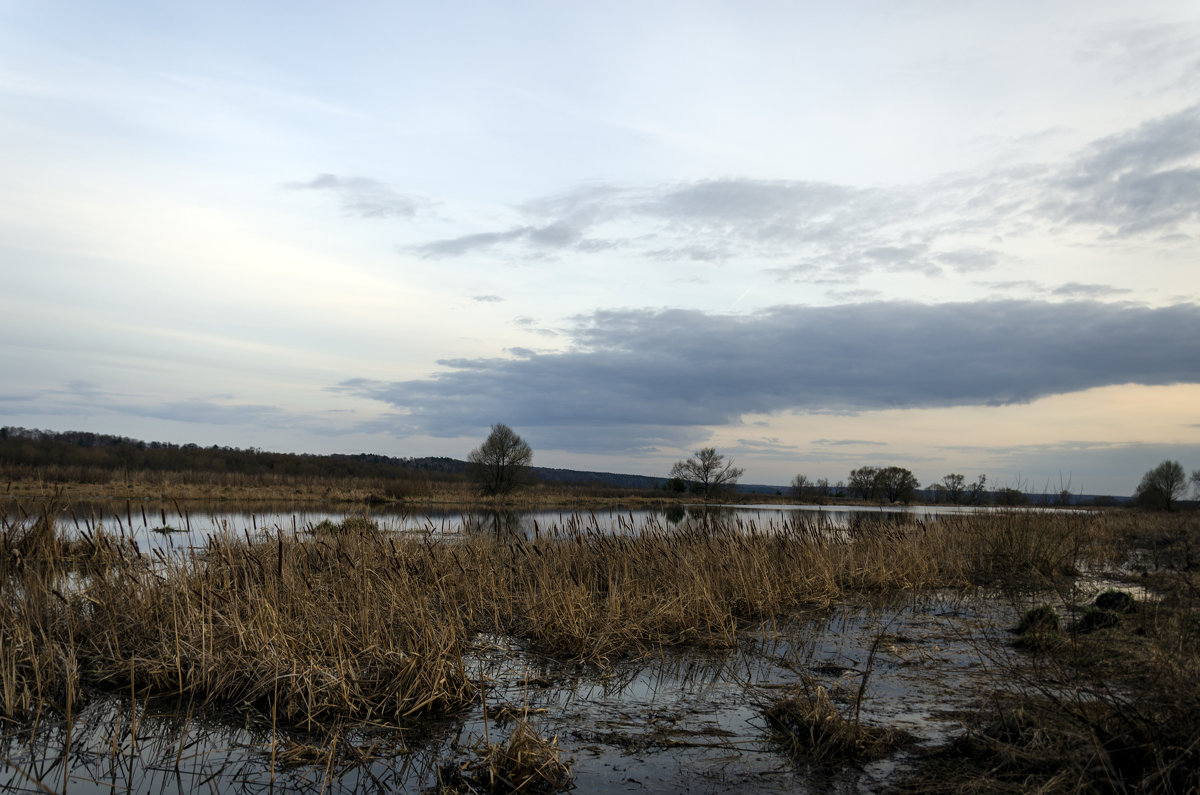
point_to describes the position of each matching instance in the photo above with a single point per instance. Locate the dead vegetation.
(1110, 702)
(349, 623)
(812, 728)
(523, 762)
(353, 623)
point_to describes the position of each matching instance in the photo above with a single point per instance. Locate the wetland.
(171, 647)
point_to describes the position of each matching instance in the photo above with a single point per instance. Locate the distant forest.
(83, 457)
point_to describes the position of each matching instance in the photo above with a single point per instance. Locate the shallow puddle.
(685, 720)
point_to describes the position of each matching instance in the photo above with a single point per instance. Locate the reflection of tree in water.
(696, 515)
(500, 524)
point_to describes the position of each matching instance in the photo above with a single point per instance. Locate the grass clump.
(357, 523)
(1041, 619)
(1038, 629)
(1115, 601)
(524, 762)
(812, 728)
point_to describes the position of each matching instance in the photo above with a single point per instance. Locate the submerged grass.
(812, 728)
(524, 762)
(349, 623)
(1108, 703)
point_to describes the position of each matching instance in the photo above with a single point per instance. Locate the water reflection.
(679, 719)
(172, 526)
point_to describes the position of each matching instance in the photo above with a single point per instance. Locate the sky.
(954, 237)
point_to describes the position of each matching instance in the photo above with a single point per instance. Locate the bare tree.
(707, 471)
(1196, 482)
(955, 486)
(1162, 486)
(896, 483)
(800, 485)
(974, 493)
(501, 463)
(865, 480)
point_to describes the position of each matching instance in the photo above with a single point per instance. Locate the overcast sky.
(957, 237)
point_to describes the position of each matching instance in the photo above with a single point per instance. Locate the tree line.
(503, 462)
(1162, 487)
(79, 451)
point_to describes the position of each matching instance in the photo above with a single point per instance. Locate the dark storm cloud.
(364, 197)
(643, 371)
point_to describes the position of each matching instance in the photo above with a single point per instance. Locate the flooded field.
(678, 721)
(176, 525)
(627, 652)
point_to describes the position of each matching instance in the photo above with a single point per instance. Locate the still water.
(176, 526)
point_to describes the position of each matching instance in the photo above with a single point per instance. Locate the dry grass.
(360, 625)
(812, 728)
(1111, 703)
(110, 487)
(524, 762)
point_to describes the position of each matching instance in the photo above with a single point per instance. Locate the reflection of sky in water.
(190, 526)
(682, 719)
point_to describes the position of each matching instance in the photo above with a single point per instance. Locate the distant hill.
(82, 451)
(35, 447)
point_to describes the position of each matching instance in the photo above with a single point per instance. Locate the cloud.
(1076, 289)
(1139, 180)
(1145, 180)
(215, 413)
(1020, 284)
(964, 260)
(487, 299)
(767, 447)
(548, 236)
(638, 372)
(364, 197)
(846, 443)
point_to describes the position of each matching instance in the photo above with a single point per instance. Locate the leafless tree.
(800, 486)
(1162, 486)
(896, 483)
(708, 472)
(501, 463)
(865, 480)
(954, 485)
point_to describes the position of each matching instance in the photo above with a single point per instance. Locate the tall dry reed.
(356, 624)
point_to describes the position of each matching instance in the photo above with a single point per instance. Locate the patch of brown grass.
(524, 762)
(1112, 705)
(362, 625)
(812, 728)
